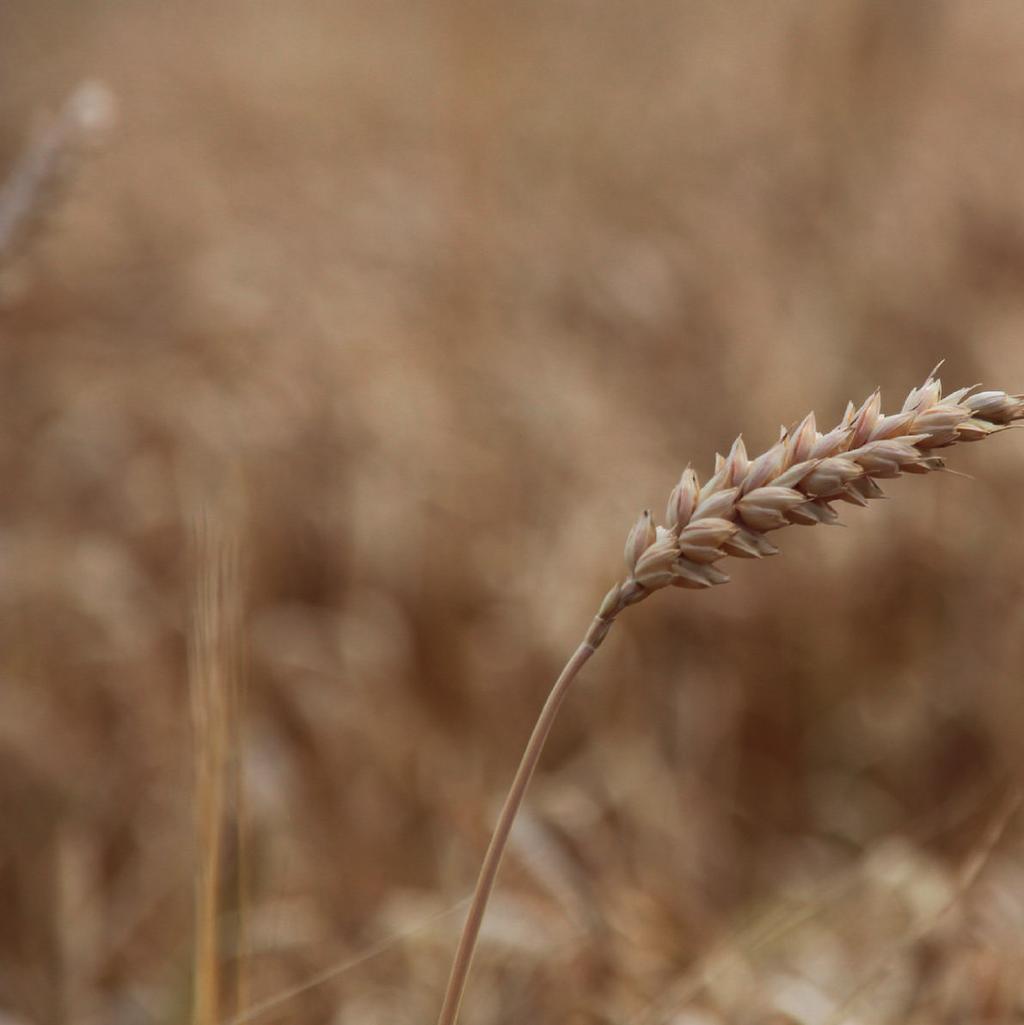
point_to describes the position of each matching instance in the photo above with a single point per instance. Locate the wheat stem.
(617, 599)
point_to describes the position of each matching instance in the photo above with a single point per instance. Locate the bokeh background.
(344, 353)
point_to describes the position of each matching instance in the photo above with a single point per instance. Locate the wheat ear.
(795, 481)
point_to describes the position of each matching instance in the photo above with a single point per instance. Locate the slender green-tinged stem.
(499, 840)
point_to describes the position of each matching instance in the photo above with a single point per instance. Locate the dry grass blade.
(24, 195)
(795, 482)
(321, 978)
(784, 919)
(214, 683)
(969, 872)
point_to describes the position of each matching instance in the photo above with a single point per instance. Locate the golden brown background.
(416, 305)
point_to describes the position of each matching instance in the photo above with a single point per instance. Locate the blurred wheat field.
(421, 303)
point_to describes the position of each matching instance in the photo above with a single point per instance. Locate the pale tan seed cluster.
(796, 481)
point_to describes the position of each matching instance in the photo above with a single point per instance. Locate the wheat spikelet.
(796, 481)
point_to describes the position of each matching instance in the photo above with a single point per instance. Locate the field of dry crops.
(335, 364)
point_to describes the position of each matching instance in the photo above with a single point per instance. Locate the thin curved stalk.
(499, 839)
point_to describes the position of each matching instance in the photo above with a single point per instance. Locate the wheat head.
(797, 481)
